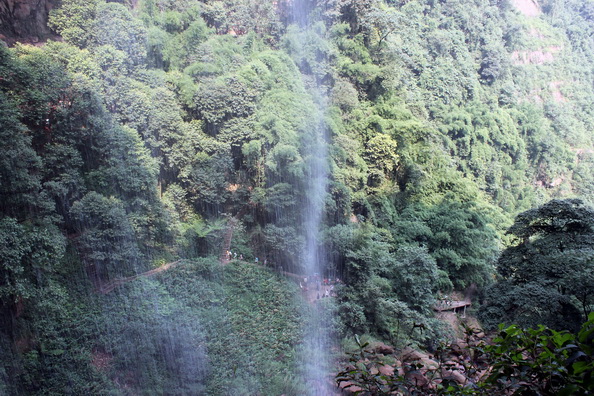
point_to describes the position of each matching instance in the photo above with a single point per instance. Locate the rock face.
(530, 8)
(25, 20)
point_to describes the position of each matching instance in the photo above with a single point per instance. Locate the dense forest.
(156, 157)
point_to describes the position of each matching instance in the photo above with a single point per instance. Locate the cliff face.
(25, 20)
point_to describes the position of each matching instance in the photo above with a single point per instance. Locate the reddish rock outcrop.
(25, 21)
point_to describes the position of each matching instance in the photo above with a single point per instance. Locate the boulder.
(348, 388)
(455, 349)
(417, 378)
(412, 355)
(386, 370)
(454, 375)
(384, 349)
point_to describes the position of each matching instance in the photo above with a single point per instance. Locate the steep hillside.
(155, 131)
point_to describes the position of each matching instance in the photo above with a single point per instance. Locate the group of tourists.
(316, 286)
(233, 255)
(444, 301)
(324, 287)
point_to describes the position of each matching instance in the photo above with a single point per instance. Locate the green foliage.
(388, 290)
(460, 239)
(180, 50)
(547, 272)
(106, 239)
(19, 165)
(28, 254)
(382, 158)
(57, 336)
(249, 322)
(196, 329)
(516, 361)
(217, 101)
(114, 25)
(310, 50)
(75, 21)
(153, 340)
(153, 124)
(245, 16)
(542, 360)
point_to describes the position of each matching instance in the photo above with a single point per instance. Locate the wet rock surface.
(25, 21)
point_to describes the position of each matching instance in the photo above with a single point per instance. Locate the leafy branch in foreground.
(515, 362)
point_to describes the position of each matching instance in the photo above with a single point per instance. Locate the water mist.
(317, 340)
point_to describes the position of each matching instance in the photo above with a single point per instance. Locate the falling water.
(317, 342)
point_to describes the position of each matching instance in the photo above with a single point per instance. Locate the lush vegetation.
(547, 273)
(163, 130)
(516, 361)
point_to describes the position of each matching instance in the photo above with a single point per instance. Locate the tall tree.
(546, 275)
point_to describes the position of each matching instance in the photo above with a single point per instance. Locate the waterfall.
(317, 340)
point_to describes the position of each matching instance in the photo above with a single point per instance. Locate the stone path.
(111, 285)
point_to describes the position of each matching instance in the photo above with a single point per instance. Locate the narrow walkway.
(452, 305)
(233, 222)
(111, 285)
(224, 258)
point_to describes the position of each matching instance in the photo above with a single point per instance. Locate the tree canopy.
(155, 131)
(546, 275)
